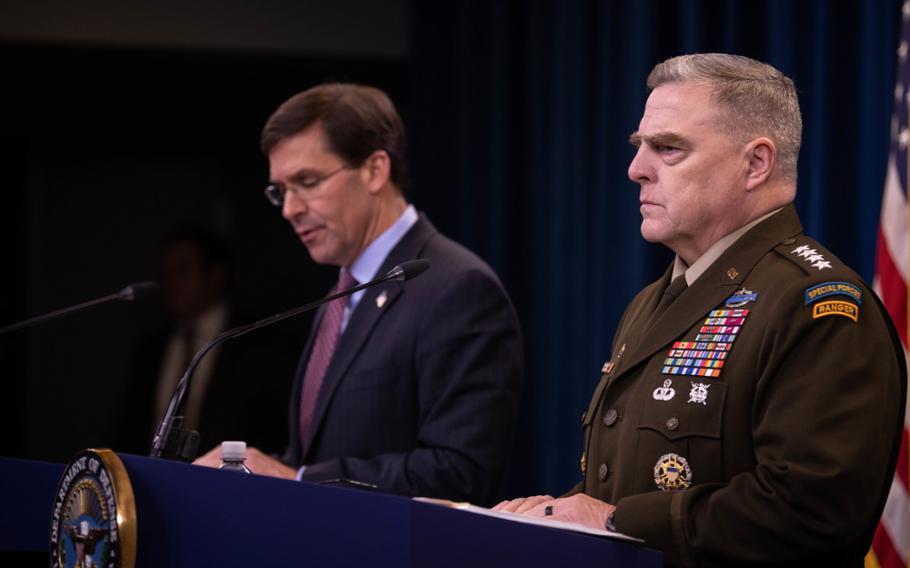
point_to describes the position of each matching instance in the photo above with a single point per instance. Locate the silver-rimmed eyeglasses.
(305, 187)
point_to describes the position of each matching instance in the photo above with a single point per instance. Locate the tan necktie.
(676, 287)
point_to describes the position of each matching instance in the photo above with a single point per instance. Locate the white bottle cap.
(233, 451)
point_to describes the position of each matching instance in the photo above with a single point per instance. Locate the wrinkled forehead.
(675, 106)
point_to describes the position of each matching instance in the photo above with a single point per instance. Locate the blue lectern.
(194, 516)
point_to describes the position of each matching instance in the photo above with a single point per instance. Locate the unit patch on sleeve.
(835, 308)
(826, 289)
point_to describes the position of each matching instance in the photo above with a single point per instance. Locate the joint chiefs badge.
(672, 472)
(94, 514)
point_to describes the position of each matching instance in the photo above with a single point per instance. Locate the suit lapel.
(363, 322)
(716, 284)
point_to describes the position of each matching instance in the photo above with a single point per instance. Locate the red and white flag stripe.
(891, 544)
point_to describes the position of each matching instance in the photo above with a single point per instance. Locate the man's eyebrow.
(659, 139)
(303, 174)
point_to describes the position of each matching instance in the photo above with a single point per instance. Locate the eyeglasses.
(306, 188)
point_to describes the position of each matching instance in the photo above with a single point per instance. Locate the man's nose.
(640, 169)
(292, 206)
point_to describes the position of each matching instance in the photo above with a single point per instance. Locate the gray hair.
(755, 99)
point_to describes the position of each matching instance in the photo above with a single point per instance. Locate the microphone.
(133, 292)
(173, 442)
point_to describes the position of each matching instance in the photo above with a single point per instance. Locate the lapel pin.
(733, 273)
(381, 299)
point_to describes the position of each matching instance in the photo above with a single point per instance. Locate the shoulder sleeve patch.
(835, 308)
(827, 289)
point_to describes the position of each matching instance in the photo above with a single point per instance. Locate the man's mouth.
(308, 233)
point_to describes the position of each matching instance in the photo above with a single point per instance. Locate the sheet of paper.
(529, 520)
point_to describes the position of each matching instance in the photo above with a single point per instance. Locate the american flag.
(891, 545)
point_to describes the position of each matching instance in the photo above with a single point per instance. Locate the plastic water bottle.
(233, 455)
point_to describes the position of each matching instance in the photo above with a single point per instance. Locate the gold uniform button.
(672, 424)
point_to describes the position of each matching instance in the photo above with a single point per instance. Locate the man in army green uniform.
(752, 408)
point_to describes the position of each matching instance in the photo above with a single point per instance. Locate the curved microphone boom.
(135, 291)
(171, 441)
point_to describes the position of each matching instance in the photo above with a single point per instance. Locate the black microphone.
(136, 291)
(173, 442)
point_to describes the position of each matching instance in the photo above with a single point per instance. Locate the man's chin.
(650, 234)
(322, 256)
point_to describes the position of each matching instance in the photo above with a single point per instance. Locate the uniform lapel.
(716, 284)
(363, 322)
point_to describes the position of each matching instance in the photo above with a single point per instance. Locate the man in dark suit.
(751, 411)
(412, 387)
(240, 388)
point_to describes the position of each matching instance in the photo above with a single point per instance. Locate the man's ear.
(376, 171)
(761, 154)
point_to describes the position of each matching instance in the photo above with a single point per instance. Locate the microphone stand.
(128, 294)
(173, 442)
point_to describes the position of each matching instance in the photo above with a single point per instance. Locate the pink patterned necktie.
(321, 356)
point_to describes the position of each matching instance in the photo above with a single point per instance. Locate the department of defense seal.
(93, 523)
(672, 472)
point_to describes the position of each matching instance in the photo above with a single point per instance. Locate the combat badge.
(741, 298)
(672, 472)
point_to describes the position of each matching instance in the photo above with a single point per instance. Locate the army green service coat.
(786, 454)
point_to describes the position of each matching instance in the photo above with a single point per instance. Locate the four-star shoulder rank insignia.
(811, 256)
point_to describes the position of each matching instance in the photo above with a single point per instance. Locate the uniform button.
(672, 424)
(603, 472)
(610, 417)
(788, 241)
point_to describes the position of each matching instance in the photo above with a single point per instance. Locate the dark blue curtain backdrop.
(520, 114)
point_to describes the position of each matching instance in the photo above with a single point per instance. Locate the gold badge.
(733, 273)
(672, 472)
(835, 308)
(583, 463)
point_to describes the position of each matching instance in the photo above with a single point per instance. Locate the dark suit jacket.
(246, 396)
(422, 393)
(788, 453)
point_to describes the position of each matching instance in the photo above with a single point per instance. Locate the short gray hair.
(756, 99)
